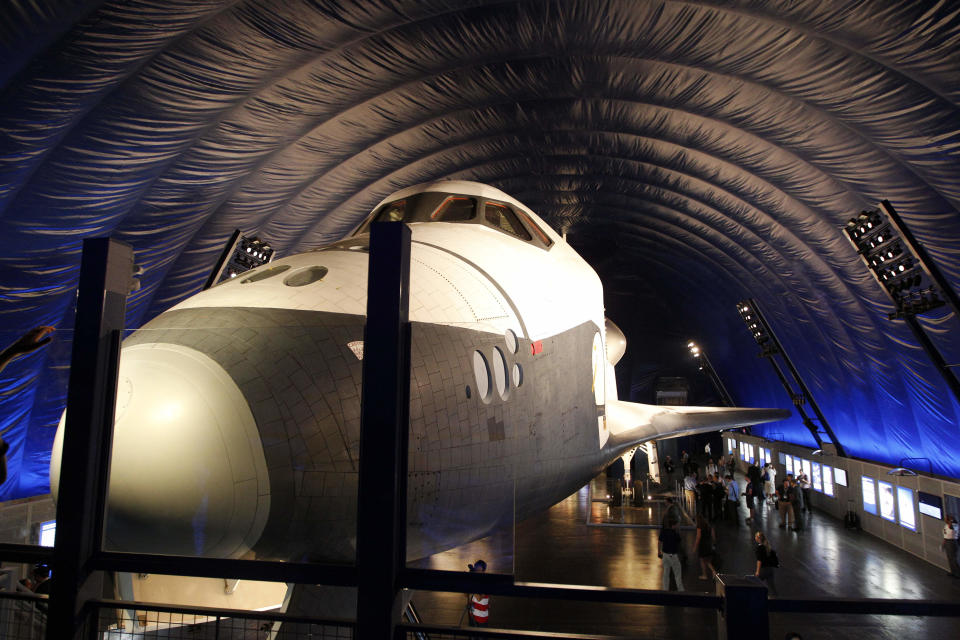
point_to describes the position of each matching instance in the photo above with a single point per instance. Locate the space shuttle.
(238, 410)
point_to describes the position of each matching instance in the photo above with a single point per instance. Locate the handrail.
(266, 570)
(867, 606)
(504, 585)
(23, 595)
(477, 632)
(213, 612)
(25, 553)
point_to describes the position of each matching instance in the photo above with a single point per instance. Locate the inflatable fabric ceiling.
(696, 152)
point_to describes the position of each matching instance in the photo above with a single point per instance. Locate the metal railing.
(120, 620)
(23, 616)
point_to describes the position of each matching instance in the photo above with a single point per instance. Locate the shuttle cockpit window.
(424, 207)
(537, 231)
(455, 209)
(502, 217)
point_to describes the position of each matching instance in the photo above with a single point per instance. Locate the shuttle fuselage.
(238, 413)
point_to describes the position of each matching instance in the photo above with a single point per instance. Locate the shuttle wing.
(631, 423)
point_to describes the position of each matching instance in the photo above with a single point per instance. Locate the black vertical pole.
(106, 273)
(744, 612)
(381, 511)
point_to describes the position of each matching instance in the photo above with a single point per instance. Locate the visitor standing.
(949, 545)
(668, 549)
(767, 562)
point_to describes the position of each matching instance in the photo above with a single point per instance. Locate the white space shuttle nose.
(188, 473)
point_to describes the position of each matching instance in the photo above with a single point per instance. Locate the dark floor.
(559, 546)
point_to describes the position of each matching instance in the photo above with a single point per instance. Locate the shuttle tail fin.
(631, 423)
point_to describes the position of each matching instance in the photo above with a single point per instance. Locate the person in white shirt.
(690, 491)
(949, 544)
(770, 483)
(711, 468)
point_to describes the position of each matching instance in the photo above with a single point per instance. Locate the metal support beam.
(106, 272)
(381, 499)
(934, 354)
(222, 261)
(715, 379)
(804, 391)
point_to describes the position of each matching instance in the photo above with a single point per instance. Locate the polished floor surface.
(564, 545)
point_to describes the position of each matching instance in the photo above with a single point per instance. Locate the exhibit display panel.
(905, 508)
(887, 501)
(828, 480)
(841, 476)
(805, 466)
(815, 478)
(869, 490)
(782, 457)
(930, 505)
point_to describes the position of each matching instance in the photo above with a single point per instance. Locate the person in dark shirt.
(784, 504)
(668, 549)
(767, 561)
(615, 474)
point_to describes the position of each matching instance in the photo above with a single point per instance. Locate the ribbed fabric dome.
(697, 153)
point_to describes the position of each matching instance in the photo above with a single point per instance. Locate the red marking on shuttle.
(536, 347)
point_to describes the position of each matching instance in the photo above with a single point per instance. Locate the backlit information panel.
(815, 478)
(887, 505)
(908, 517)
(840, 475)
(931, 505)
(828, 480)
(869, 495)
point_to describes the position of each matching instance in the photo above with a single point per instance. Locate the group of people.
(714, 496)
(670, 550)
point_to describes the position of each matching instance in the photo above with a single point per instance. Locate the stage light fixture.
(771, 349)
(241, 253)
(889, 259)
(704, 364)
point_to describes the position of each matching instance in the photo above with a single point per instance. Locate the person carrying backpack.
(767, 561)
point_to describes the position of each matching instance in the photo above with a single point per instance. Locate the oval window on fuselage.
(306, 276)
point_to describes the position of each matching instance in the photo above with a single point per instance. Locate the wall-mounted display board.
(888, 506)
(908, 515)
(869, 487)
(840, 475)
(765, 455)
(48, 532)
(806, 469)
(931, 505)
(782, 457)
(828, 480)
(815, 477)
